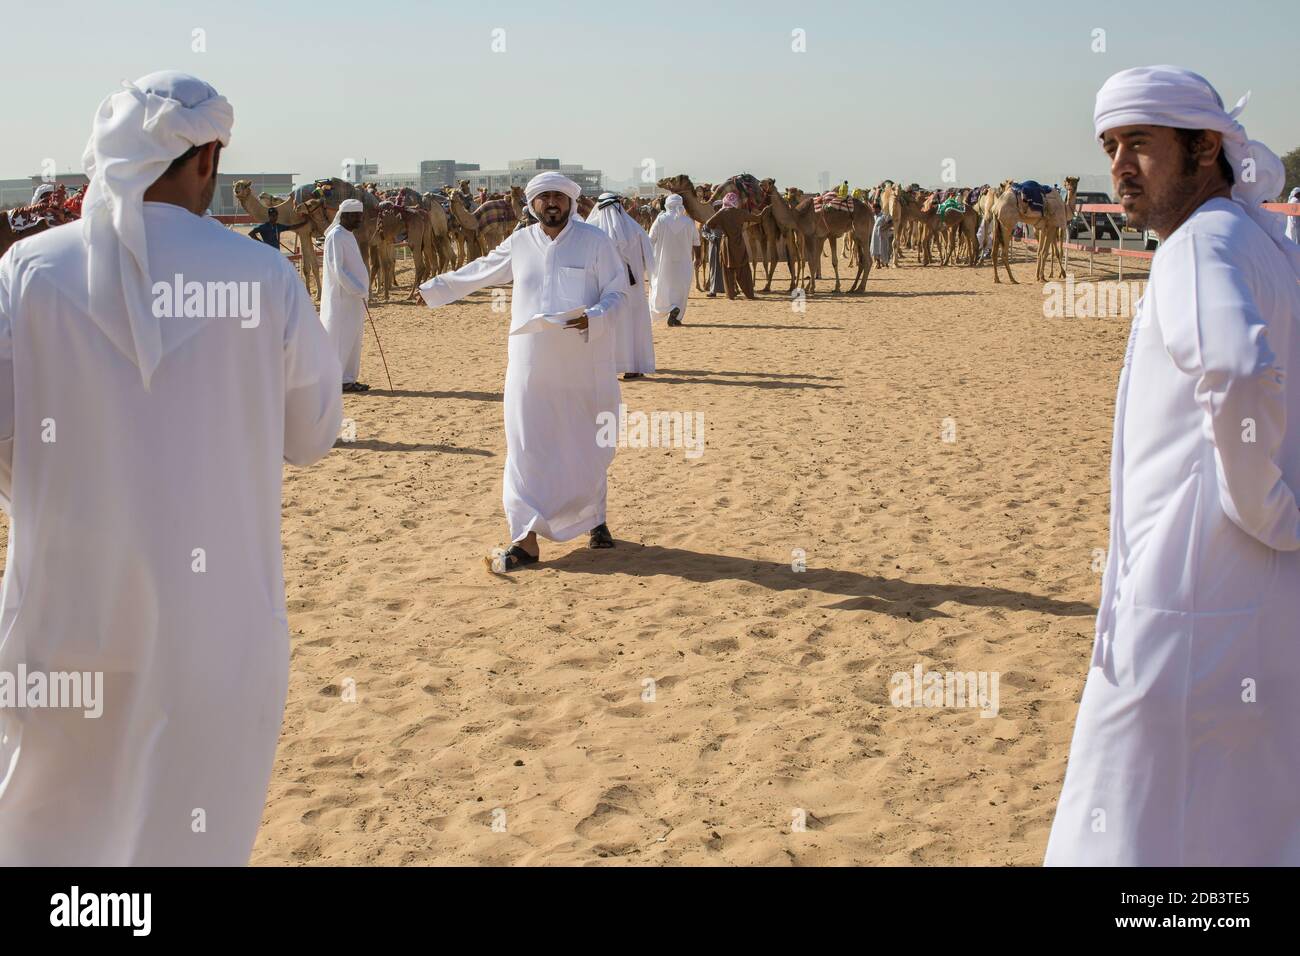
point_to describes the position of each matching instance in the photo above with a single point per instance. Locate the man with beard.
(560, 380)
(1184, 749)
(344, 288)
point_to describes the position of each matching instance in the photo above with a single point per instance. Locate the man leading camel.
(560, 381)
(731, 220)
(1184, 750)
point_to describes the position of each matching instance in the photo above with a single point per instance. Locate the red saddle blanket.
(832, 200)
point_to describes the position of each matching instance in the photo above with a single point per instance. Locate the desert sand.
(439, 714)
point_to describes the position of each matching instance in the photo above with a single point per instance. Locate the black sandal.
(516, 557)
(600, 537)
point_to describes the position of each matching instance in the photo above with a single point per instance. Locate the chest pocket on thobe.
(571, 288)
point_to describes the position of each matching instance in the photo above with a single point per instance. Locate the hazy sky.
(883, 89)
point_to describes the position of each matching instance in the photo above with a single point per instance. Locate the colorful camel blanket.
(751, 192)
(832, 200)
(494, 211)
(952, 202)
(1031, 193)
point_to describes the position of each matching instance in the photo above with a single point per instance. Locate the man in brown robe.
(731, 220)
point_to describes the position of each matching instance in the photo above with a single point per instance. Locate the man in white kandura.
(345, 286)
(634, 344)
(673, 236)
(568, 278)
(1184, 752)
(156, 371)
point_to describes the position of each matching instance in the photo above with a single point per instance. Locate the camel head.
(680, 184)
(717, 192)
(315, 212)
(243, 188)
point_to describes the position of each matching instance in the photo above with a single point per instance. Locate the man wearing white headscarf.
(1184, 751)
(345, 285)
(43, 190)
(560, 381)
(156, 371)
(634, 345)
(673, 236)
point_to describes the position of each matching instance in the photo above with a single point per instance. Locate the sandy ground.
(689, 698)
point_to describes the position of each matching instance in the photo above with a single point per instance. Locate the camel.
(495, 220)
(468, 240)
(394, 219)
(908, 218)
(771, 235)
(698, 208)
(829, 224)
(958, 231)
(292, 217)
(1009, 209)
(442, 257)
(1057, 213)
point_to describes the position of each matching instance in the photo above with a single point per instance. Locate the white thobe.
(634, 344)
(672, 238)
(557, 382)
(1184, 750)
(346, 285)
(144, 543)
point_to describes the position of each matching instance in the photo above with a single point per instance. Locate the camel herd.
(447, 229)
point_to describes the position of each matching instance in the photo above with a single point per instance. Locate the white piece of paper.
(548, 320)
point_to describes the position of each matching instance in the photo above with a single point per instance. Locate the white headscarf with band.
(1175, 97)
(551, 182)
(137, 133)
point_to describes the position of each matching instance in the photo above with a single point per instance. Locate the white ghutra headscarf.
(628, 236)
(1175, 97)
(136, 134)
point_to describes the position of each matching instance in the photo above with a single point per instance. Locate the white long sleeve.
(491, 269)
(1214, 331)
(313, 404)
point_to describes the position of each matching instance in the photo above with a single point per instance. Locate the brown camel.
(468, 227)
(394, 220)
(290, 216)
(830, 223)
(1057, 213)
(1009, 209)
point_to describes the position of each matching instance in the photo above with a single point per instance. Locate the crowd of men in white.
(141, 463)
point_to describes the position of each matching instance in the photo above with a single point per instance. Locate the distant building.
(519, 171)
(437, 173)
(358, 173)
(396, 181)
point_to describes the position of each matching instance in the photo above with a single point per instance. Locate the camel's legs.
(835, 261)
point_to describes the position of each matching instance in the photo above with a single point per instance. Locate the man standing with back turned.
(1184, 752)
(156, 371)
